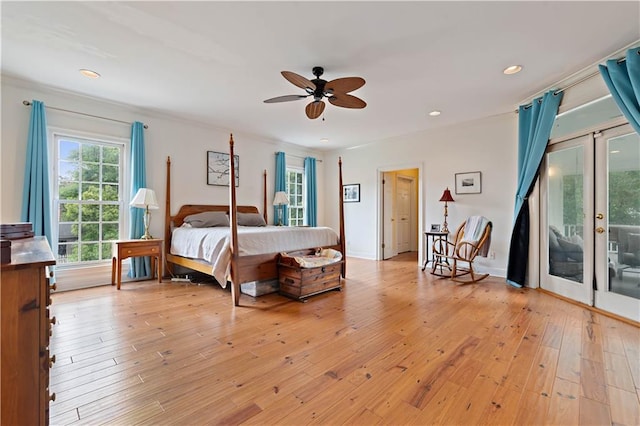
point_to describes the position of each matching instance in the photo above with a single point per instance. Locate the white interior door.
(403, 207)
(388, 220)
(566, 249)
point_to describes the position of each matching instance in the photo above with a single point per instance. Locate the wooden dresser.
(26, 327)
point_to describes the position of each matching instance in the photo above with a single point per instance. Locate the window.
(295, 192)
(88, 198)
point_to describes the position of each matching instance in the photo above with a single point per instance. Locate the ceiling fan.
(336, 91)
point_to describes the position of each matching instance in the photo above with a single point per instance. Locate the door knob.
(599, 229)
(599, 216)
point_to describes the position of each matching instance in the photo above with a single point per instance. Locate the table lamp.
(280, 200)
(446, 197)
(145, 199)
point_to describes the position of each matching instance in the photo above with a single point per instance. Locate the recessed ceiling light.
(513, 69)
(89, 73)
(435, 113)
(324, 140)
(614, 151)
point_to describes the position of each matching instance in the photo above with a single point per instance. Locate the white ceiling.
(217, 61)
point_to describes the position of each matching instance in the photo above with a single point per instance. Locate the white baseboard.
(85, 277)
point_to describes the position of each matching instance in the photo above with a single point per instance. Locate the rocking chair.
(472, 238)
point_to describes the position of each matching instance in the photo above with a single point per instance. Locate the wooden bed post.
(264, 201)
(235, 276)
(167, 216)
(343, 244)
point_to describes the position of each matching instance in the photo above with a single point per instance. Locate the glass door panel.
(567, 244)
(617, 222)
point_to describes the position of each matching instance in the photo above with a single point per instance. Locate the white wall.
(184, 141)
(488, 145)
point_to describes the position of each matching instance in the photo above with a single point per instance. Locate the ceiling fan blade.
(347, 101)
(285, 98)
(314, 109)
(298, 80)
(344, 85)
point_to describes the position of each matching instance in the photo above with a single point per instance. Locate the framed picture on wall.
(218, 168)
(351, 193)
(468, 183)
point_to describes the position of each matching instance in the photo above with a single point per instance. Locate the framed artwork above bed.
(218, 168)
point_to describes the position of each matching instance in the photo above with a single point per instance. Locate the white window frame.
(55, 134)
(298, 170)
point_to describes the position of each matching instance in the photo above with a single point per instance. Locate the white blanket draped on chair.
(473, 230)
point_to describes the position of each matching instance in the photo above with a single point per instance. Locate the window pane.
(109, 231)
(89, 252)
(89, 231)
(69, 150)
(68, 212)
(596, 112)
(90, 153)
(67, 253)
(106, 250)
(110, 213)
(68, 171)
(110, 174)
(90, 213)
(565, 213)
(109, 192)
(111, 155)
(91, 172)
(90, 191)
(69, 191)
(67, 232)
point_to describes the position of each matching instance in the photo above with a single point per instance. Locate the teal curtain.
(311, 190)
(140, 266)
(36, 199)
(535, 123)
(623, 80)
(281, 185)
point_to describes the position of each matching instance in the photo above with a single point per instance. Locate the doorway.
(590, 220)
(398, 212)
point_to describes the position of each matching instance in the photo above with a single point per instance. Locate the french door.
(590, 220)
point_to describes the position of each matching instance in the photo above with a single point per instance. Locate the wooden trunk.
(300, 283)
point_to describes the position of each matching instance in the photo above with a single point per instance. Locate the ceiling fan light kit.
(336, 91)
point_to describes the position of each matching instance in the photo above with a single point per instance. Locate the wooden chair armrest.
(448, 246)
(466, 250)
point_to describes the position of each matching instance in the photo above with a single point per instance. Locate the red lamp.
(446, 197)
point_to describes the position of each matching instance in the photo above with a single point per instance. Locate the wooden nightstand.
(135, 248)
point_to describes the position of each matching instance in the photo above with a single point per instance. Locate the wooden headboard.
(189, 209)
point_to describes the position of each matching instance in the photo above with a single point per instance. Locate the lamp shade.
(446, 195)
(280, 199)
(145, 198)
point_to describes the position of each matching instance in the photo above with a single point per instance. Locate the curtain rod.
(297, 156)
(27, 103)
(575, 83)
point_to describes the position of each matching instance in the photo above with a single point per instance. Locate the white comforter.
(212, 244)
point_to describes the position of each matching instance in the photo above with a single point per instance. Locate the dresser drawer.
(139, 250)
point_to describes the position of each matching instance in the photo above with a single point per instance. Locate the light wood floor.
(396, 346)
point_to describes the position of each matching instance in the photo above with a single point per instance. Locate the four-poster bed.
(253, 266)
